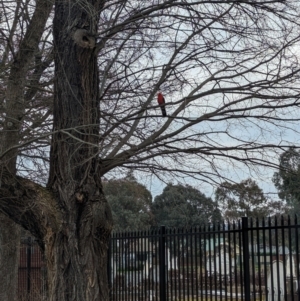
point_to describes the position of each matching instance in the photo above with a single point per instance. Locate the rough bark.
(74, 238)
(76, 256)
(76, 253)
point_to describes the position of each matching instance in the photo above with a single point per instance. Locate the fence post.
(109, 269)
(246, 265)
(162, 264)
(28, 266)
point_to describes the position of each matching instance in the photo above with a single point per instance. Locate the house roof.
(213, 243)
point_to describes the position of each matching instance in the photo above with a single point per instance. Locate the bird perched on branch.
(161, 102)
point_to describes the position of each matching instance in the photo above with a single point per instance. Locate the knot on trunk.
(84, 39)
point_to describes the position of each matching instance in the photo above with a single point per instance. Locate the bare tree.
(228, 71)
(21, 68)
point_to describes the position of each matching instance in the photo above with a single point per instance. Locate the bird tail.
(163, 111)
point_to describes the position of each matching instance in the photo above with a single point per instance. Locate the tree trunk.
(76, 253)
(9, 141)
(77, 257)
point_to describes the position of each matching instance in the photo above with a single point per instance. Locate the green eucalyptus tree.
(130, 203)
(184, 206)
(245, 199)
(287, 178)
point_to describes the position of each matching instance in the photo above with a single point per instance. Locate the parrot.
(161, 102)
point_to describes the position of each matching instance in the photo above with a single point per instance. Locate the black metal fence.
(31, 278)
(246, 260)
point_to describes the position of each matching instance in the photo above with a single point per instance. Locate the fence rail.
(246, 260)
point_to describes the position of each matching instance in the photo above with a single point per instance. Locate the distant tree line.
(179, 205)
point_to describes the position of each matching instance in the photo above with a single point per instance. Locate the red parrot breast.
(160, 98)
